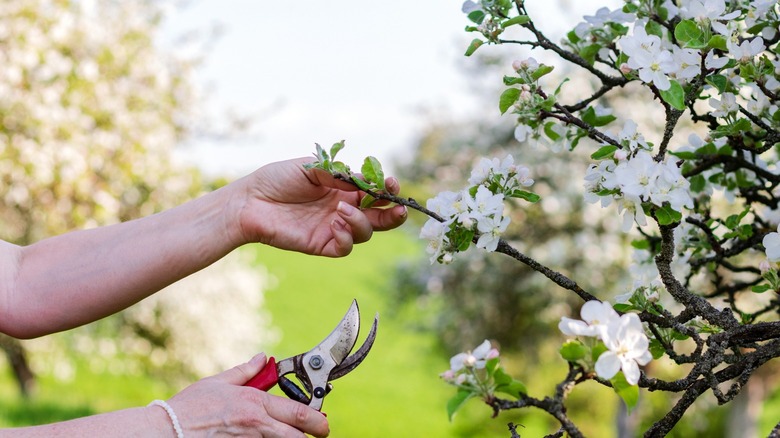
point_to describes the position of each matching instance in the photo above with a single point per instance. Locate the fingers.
(356, 226)
(383, 219)
(297, 415)
(240, 374)
(358, 222)
(392, 186)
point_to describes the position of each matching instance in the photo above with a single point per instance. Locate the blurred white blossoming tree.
(90, 111)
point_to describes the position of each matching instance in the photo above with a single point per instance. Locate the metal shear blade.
(327, 361)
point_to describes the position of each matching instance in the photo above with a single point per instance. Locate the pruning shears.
(314, 369)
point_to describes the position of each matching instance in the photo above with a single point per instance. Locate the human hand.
(220, 406)
(310, 211)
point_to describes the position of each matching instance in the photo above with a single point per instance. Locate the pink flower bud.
(764, 266)
(517, 64)
(625, 69)
(492, 354)
(621, 154)
(448, 375)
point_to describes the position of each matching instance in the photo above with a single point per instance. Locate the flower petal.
(607, 365)
(482, 350)
(631, 371)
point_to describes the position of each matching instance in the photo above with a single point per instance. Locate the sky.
(309, 71)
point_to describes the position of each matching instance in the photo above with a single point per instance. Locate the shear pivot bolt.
(319, 392)
(315, 362)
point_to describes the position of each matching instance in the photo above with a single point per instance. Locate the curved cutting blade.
(343, 338)
(353, 361)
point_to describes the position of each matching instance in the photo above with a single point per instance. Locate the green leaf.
(698, 182)
(524, 195)
(491, 366)
(596, 351)
(629, 393)
(663, 13)
(340, 167)
(335, 149)
(761, 288)
(550, 132)
(689, 34)
(718, 81)
(500, 376)
(560, 86)
(604, 152)
(362, 185)
(541, 71)
(667, 216)
(588, 53)
(461, 238)
(685, 155)
(457, 402)
(508, 98)
(475, 43)
(623, 307)
(520, 19)
(372, 172)
(654, 28)
(674, 96)
(367, 201)
(640, 244)
(573, 350)
(656, 349)
(512, 80)
(515, 388)
(718, 42)
(477, 16)
(572, 36)
(589, 116)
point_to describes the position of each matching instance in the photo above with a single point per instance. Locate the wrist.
(163, 418)
(235, 208)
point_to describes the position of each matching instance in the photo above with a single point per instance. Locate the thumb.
(240, 374)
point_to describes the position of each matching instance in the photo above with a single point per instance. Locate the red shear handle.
(266, 378)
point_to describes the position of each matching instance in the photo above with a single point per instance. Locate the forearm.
(149, 422)
(72, 279)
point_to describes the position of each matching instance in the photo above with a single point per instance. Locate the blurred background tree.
(90, 111)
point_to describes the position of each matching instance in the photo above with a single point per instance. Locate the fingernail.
(345, 209)
(258, 359)
(339, 225)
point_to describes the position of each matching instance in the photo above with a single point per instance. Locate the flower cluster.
(635, 180)
(623, 335)
(478, 373)
(463, 365)
(475, 211)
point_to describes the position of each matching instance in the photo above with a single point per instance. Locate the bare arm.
(69, 280)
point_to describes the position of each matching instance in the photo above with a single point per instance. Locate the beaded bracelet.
(171, 415)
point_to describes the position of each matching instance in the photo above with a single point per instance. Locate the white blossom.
(771, 244)
(628, 348)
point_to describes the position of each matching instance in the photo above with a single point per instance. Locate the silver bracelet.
(171, 415)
